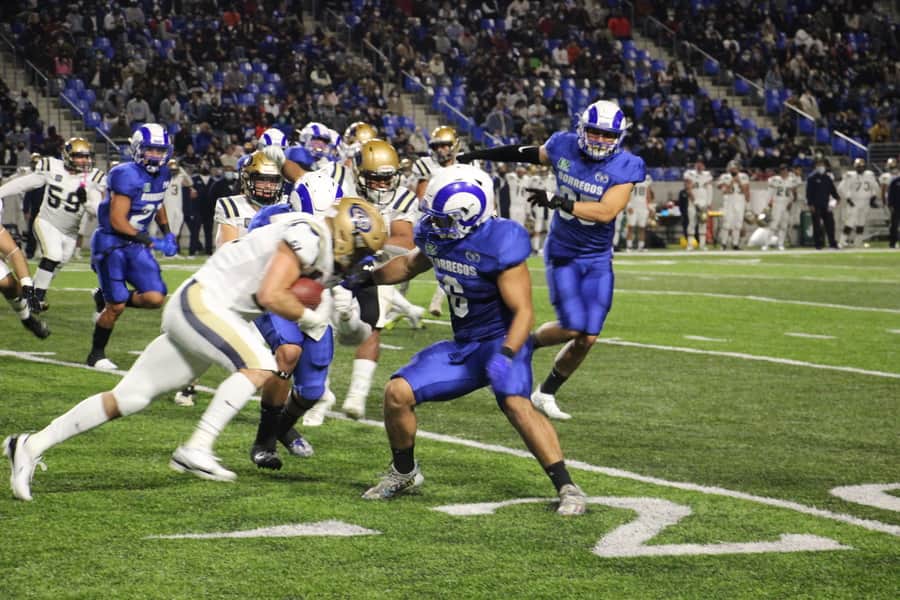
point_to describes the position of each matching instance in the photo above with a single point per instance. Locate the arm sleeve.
(510, 153)
(31, 181)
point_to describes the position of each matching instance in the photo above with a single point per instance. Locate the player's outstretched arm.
(611, 204)
(401, 237)
(512, 153)
(21, 184)
(515, 289)
(402, 268)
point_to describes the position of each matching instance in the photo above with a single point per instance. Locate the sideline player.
(120, 248)
(638, 212)
(781, 199)
(735, 187)
(859, 189)
(698, 183)
(72, 186)
(207, 322)
(595, 177)
(480, 261)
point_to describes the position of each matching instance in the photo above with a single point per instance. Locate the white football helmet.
(272, 137)
(317, 138)
(315, 193)
(601, 129)
(457, 200)
(154, 137)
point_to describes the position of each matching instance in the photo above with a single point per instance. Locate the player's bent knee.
(287, 356)
(585, 340)
(398, 394)
(153, 299)
(131, 397)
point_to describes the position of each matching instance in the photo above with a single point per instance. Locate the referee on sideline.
(820, 191)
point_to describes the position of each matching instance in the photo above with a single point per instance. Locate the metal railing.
(653, 28)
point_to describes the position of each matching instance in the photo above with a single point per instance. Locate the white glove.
(275, 154)
(314, 323)
(831, 204)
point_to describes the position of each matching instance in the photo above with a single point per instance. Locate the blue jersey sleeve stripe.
(306, 203)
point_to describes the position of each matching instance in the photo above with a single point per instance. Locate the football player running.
(71, 187)
(207, 322)
(444, 145)
(360, 320)
(13, 287)
(595, 177)
(480, 261)
(120, 248)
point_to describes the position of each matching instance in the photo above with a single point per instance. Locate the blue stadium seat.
(806, 126)
(710, 67)
(657, 173)
(823, 136)
(839, 145)
(260, 67)
(252, 88)
(88, 95)
(407, 122)
(640, 105)
(673, 174)
(92, 119)
(741, 86)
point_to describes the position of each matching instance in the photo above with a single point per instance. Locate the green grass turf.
(781, 431)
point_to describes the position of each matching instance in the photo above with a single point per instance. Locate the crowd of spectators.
(839, 59)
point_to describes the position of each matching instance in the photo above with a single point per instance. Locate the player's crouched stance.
(480, 261)
(209, 321)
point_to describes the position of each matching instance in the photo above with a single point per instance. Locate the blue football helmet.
(457, 200)
(271, 137)
(601, 129)
(151, 136)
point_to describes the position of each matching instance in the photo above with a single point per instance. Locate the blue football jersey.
(467, 270)
(585, 180)
(145, 190)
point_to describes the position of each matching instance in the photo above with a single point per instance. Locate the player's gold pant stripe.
(40, 237)
(217, 331)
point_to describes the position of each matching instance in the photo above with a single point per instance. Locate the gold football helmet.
(78, 157)
(356, 134)
(261, 180)
(444, 145)
(859, 164)
(357, 230)
(377, 169)
(891, 164)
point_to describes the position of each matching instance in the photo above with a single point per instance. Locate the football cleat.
(296, 444)
(572, 501)
(200, 463)
(264, 458)
(546, 403)
(99, 361)
(394, 483)
(36, 326)
(315, 416)
(354, 406)
(21, 464)
(185, 397)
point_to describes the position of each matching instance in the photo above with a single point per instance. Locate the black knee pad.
(48, 265)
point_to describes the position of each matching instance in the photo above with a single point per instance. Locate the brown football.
(308, 291)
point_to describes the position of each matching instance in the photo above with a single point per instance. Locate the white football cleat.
(546, 403)
(395, 483)
(200, 463)
(354, 406)
(185, 397)
(572, 501)
(21, 464)
(315, 416)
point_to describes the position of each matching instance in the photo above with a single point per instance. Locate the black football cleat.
(265, 458)
(36, 326)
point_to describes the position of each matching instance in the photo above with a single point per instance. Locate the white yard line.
(743, 356)
(701, 338)
(811, 336)
(869, 524)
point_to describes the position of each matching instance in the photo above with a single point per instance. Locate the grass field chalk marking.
(811, 336)
(575, 464)
(701, 338)
(895, 311)
(872, 494)
(744, 356)
(653, 516)
(322, 528)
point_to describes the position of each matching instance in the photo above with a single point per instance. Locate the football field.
(737, 431)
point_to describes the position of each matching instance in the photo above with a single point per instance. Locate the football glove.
(540, 198)
(275, 154)
(166, 244)
(873, 202)
(314, 323)
(360, 275)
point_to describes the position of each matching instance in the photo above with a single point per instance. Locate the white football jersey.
(517, 188)
(859, 186)
(701, 185)
(344, 179)
(425, 167)
(780, 190)
(543, 182)
(733, 184)
(886, 178)
(639, 194)
(236, 211)
(234, 273)
(61, 207)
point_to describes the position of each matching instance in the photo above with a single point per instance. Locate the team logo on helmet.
(360, 219)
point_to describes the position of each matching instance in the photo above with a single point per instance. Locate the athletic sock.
(361, 378)
(101, 338)
(84, 416)
(229, 399)
(268, 424)
(553, 382)
(404, 461)
(558, 474)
